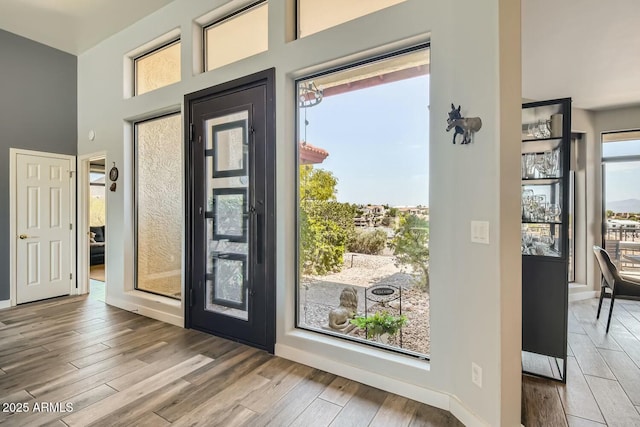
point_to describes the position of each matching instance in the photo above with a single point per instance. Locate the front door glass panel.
(227, 214)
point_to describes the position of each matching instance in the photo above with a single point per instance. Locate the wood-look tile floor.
(106, 367)
(603, 372)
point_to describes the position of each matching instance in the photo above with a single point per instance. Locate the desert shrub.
(410, 245)
(325, 225)
(368, 242)
(325, 229)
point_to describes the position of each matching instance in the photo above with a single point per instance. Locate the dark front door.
(231, 212)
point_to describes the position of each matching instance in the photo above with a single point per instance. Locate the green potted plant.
(381, 325)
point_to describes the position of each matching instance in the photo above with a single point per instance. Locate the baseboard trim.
(5, 304)
(421, 394)
(580, 296)
(146, 311)
(464, 414)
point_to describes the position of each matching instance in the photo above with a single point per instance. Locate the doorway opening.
(92, 227)
(97, 216)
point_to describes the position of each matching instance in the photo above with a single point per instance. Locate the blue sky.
(622, 179)
(378, 142)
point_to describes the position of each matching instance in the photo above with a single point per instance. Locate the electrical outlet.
(476, 374)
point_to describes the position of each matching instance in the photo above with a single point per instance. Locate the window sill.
(159, 299)
(339, 346)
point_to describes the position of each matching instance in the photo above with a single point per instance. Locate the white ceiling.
(585, 49)
(73, 25)
(588, 50)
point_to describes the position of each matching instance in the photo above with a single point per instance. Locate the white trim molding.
(5, 304)
(143, 310)
(580, 296)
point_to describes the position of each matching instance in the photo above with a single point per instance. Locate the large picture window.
(159, 218)
(363, 202)
(621, 199)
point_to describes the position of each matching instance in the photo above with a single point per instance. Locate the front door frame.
(266, 78)
(13, 194)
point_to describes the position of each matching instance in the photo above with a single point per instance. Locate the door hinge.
(70, 226)
(191, 297)
(70, 276)
(70, 174)
(191, 132)
(252, 130)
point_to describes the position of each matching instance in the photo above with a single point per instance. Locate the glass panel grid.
(227, 215)
(229, 281)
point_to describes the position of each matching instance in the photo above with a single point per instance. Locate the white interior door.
(43, 226)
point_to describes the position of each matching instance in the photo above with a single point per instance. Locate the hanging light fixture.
(309, 95)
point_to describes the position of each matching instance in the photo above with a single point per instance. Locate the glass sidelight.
(159, 219)
(227, 214)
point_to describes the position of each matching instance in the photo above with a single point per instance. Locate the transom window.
(238, 36)
(318, 15)
(158, 68)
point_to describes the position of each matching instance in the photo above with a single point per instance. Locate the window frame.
(426, 46)
(135, 59)
(135, 159)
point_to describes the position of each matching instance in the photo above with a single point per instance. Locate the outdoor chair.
(618, 286)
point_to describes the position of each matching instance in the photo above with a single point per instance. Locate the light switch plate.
(480, 232)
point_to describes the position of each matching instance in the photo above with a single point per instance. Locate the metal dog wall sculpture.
(463, 126)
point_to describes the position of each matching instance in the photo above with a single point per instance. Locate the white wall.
(476, 289)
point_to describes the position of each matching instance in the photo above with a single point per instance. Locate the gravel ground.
(320, 294)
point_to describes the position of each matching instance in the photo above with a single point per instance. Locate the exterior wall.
(38, 111)
(476, 289)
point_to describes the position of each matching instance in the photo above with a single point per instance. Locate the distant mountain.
(629, 205)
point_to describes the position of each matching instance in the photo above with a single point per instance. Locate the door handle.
(259, 238)
(24, 236)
